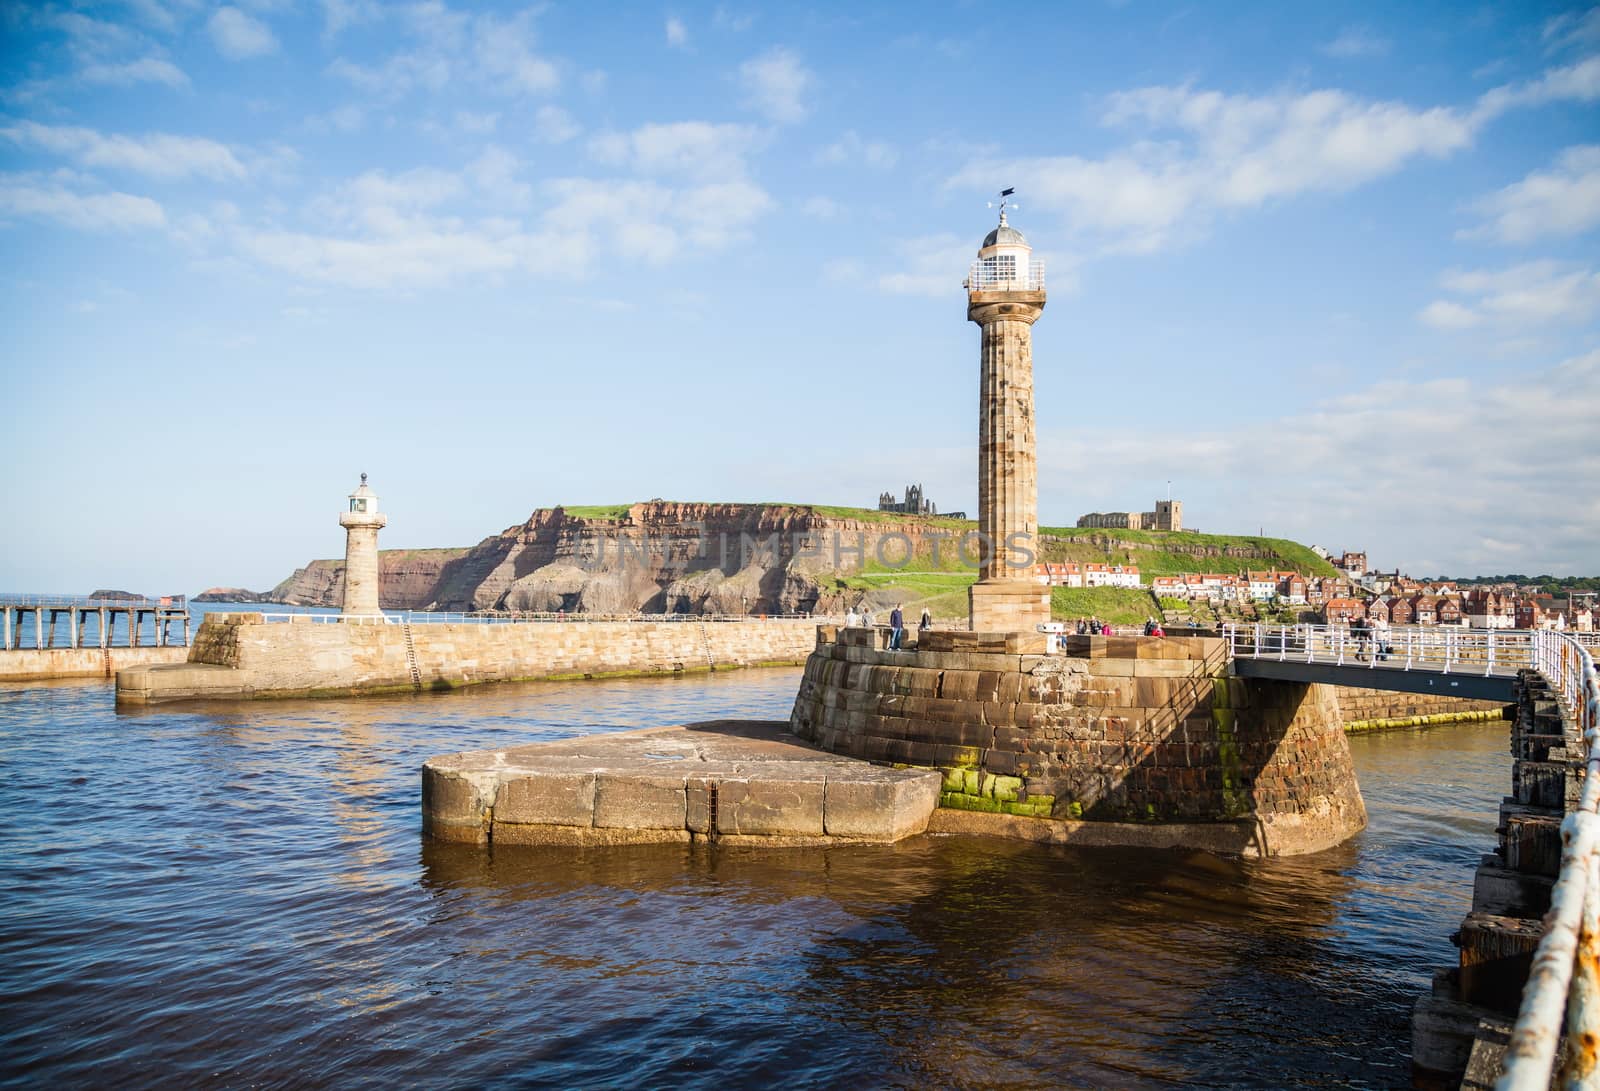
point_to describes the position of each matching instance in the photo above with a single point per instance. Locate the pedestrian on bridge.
(1362, 631)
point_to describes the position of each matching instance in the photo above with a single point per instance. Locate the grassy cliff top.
(1160, 553)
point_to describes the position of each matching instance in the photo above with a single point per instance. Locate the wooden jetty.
(90, 615)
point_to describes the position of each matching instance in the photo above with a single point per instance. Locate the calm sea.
(240, 896)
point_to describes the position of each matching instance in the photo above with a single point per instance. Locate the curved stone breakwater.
(241, 655)
(1118, 740)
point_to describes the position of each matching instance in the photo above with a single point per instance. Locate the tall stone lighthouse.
(1005, 296)
(361, 524)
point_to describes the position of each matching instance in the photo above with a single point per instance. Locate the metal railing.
(433, 617)
(1564, 981)
(89, 602)
(1443, 650)
(1565, 976)
(986, 277)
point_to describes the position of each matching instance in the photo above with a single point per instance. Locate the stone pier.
(728, 781)
(1112, 740)
(244, 656)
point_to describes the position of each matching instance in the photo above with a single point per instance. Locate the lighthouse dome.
(1004, 235)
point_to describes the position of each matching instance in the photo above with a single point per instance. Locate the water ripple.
(240, 896)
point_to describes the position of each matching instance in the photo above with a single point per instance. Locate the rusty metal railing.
(1564, 982)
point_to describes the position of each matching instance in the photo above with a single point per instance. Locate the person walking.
(1380, 639)
(1363, 634)
(897, 622)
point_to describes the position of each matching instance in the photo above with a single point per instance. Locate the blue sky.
(1330, 270)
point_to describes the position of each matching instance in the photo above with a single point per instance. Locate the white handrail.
(1563, 977)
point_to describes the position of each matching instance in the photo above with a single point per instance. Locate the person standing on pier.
(852, 619)
(927, 621)
(897, 627)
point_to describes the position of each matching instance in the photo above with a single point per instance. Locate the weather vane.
(1005, 202)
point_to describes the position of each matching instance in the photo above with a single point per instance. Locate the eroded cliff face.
(407, 580)
(666, 557)
(656, 557)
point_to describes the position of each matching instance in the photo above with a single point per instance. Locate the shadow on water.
(955, 962)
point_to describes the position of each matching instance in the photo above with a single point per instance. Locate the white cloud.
(1445, 315)
(776, 85)
(1572, 29)
(426, 255)
(466, 121)
(677, 33)
(339, 14)
(505, 50)
(385, 230)
(143, 70)
(553, 125)
(1578, 82)
(1357, 42)
(700, 148)
(932, 265)
(486, 51)
(158, 155)
(850, 149)
(238, 36)
(1198, 154)
(1487, 454)
(1564, 200)
(34, 197)
(821, 208)
(1218, 153)
(1533, 294)
(396, 76)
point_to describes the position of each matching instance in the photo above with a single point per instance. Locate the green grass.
(608, 513)
(1118, 605)
(942, 594)
(1169, 554)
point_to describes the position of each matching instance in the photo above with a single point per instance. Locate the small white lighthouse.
(361, 524)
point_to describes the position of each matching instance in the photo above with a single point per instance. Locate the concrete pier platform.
(730, 781)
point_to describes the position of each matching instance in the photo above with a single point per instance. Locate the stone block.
(1083, 647)
(1033, 643)
(557, 799)
(771, 807)
(1123, 647)
(1112, 668)
(1156, 692)
(1168, 668)
(880, 809)
(453, 808)
(639, 801)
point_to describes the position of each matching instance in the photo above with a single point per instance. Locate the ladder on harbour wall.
(411, 658)
(705, 642)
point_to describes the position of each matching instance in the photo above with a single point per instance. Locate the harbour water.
(239, 895)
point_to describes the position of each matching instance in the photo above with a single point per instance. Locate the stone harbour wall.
(1366, 705)
(1117, 729)
(27, 664)
(241, 655)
